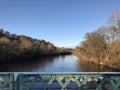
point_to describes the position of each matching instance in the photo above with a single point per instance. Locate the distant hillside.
(12, 45)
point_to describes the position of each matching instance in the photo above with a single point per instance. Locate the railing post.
(19, 81)
(11, 81)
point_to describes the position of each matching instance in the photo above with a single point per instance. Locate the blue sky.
(62, 22)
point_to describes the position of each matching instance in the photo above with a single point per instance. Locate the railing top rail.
(61, 72)
(3, 73)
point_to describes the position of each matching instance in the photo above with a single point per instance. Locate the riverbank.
(21, 46)
(108, 63)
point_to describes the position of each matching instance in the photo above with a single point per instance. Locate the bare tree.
(114, 20)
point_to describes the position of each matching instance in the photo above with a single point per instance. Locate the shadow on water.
(26, 65)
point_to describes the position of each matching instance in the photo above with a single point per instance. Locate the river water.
(62, 63)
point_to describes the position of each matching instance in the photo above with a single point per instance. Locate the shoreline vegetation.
(103, 45)
(21, 46)
(100, 62)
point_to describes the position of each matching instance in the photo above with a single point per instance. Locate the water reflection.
(85, 66)
(64, 63)
(26, 65)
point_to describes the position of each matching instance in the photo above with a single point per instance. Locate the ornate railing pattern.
(6, 81)
(60, 81)
(69, 81)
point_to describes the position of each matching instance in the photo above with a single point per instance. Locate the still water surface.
(62, 63)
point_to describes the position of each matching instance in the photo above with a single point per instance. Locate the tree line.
(103, 45)
(12, 45)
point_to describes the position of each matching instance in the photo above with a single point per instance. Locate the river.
(62, 63)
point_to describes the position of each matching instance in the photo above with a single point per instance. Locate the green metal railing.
(6, 81)
(60, 81)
